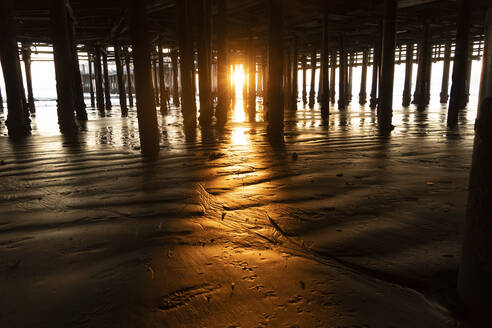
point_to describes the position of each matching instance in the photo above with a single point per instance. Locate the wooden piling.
(18, 122)
(119, 75)
(187, 64)
(91, 85)
(475, 275)
(342, 93)
(457, 97)
(426, 63)
(373, 102)
(275, 70)
(363, 78)
(312, 92)
(251, 81)
(129, 77)
(26, 58)
(174, 63)
(222, 64)
(444, 95)
(407, 88)
(162, 84)
(99, 79)
(350, 72)
(295, 68)
(107, 88)
(324, 71)
(304, 68)
(204, 60)
(62, 55)
(146, 112)
(385, 108)
(333, 62)
(78, 91)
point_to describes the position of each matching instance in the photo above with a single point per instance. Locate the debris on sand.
(215, 155)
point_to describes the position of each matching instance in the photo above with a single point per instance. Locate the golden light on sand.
(239, 136)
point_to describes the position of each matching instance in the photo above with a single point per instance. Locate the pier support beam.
(91, 85)
(251, 81)
(375, 74)
(222, 64)
(129, 77)
(312, 92)
(324, 71)
(162, 83)
(457, 98)
(119, 75)
(333, 63)
(304, 82)
(385, 108)
(342, 77)
(187, 65)
(295, 66)
(107, 88)
(407, 88)
(444, 95)
(99, 80)
(363, 78)
(62, 56)
(78, 91)
(18, 122)
(26, 57)
(155, 78)
(275, 70)
(204, 62)
(146, 113)
(475, 275)
(426, 62)
(350, 72)
(174, 63)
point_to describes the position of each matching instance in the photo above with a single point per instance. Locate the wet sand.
(337, 227)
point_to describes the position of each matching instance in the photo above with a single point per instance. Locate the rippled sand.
(337, 227)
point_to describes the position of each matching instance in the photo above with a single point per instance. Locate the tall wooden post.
(63, 66)
(129, 77)
(204, 60)
(187, 65)
(407, 89)
(312, 92)
(342, 93)
(26, 57)
(174, 63)
(363, 78)
(18, 122)
(425, 73)
(78, 91)
(375, 74)
(287, 77)
(445, 74)
(475, 275)
(295, 67)
(99, 80)
(1, 98)
(332, 76)
(304, 68)
(162, 82)
(468, 74)
(324, 72)
(457, 98)
(275, 70)
(350, 70)
(252, 81)
(222, 64)
(418, 82)
(385, 109)
(119, 75)
(91, 85)
(146, 113)
(107, 88)
(155, 78)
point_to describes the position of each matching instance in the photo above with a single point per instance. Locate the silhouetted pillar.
(107, 88)
(385, 109)
(91, 86)
(78, 91)
(304, 90)
(1, 99)
(457, 98)
(475, 276)
(332, 76)
(407, 88)
(26, 57)
(445, 74)
(174, 63)
(18, 122)
(162, 83)
(129, 77)
(252, 81)
(99, 80)
(146, 113)
(426, 63)
(342, 80)
(204, 59)
(324, 72)
(375, 74)
(468, 74)
(419, 80)
(62, 56)
(222, 63)
(349, 78)
(275, 69)
(119, 75)
(295, 66)
(363, 78)
(155, 79)
(312, 93)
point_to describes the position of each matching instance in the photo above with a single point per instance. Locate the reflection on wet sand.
(317, 232)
